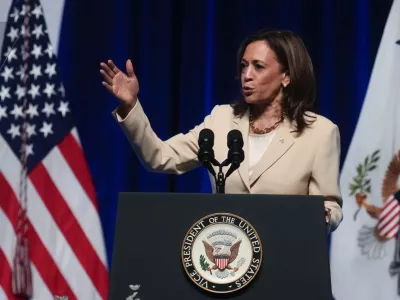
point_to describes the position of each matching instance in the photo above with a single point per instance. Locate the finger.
(108, 87)
(107, 78)
(113, 66)
(129, 68)
(108, 70)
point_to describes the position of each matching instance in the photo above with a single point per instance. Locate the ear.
(285, 80)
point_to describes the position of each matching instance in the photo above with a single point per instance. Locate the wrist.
(125, 108)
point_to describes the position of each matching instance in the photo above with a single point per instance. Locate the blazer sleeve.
(325, 175)
(176, 155)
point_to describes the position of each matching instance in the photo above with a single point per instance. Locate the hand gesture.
(125, 87)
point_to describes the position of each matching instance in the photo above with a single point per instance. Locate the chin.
(251, 99)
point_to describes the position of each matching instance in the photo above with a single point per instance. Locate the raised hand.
(125, 87)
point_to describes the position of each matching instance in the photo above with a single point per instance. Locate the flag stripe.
(392, 218)
(388, 217)
(48, 230)
(389, 206)
(75, 134)
(70, 228)
(7, 246)
(393, 223)
(47, 267)
(5, 278)
(393, 231)
(38, 253)
(82, 208)
(3, 294)
(74, 156)
(40, 289)
(8, 220)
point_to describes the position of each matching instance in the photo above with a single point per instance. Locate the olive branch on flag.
(361, 183)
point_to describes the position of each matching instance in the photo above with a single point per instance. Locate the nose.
(248, 74)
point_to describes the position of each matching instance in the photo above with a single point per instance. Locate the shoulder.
(319, 128)
(319, 124)
(320, 136)
(220, 114)
(224, 111)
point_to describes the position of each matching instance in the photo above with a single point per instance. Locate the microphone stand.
(220, 180)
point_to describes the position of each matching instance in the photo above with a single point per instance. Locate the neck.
(267, 113)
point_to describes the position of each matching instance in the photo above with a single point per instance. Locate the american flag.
(43, 174)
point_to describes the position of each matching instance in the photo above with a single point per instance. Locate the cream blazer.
(293, 164)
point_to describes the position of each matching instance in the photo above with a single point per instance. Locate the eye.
(243, 65)
(258, 66)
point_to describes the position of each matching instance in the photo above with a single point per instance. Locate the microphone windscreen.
(235, 136)
(206, 136)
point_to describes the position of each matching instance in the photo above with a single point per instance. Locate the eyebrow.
(254, 61)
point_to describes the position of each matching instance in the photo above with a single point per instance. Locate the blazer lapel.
(281, 142)
(243, 126)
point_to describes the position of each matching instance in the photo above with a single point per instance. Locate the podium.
(155, 235)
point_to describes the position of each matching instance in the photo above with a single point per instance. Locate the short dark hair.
(292, 55)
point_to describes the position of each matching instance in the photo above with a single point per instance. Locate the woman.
(288, 150)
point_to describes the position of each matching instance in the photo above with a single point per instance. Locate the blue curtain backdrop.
(184, 55)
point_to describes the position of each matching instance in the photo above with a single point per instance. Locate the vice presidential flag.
(365, 253)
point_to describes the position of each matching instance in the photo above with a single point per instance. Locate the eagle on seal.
(222, 255)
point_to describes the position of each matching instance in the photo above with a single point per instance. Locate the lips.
(247, 91)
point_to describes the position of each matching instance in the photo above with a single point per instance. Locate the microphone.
(235, 153)
(206, 152)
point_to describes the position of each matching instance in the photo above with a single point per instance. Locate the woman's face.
(261, 76)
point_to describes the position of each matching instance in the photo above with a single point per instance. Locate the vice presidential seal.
(221, 253)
